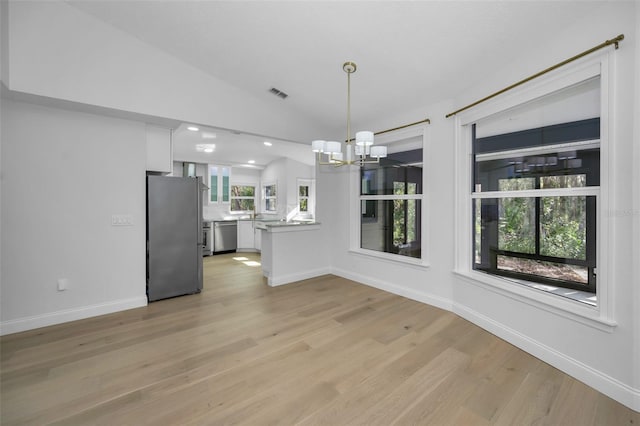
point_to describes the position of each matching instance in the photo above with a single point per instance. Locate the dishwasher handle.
(220, 224)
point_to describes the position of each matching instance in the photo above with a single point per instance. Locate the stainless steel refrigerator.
(174, 236)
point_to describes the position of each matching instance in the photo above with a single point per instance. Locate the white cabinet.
(249, 236)
(159, 150)
(246, 241)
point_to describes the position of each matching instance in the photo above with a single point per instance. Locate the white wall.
(285, 173)
(63, 175)
(605, 360)
(296, 170)
(4, 40)
(109, 68)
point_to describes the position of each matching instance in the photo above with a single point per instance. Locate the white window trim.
(602, 316)
(231, 197)
(265, 198)
(355, 198)
(311, 198)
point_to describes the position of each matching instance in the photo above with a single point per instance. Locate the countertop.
(280, 225)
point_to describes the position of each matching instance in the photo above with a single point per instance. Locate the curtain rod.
(426, 120)
(613, 41)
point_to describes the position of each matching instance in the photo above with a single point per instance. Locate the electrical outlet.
(121, 220)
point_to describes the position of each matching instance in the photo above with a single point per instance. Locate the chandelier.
(363, 152)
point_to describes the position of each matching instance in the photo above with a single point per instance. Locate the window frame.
(600, 316)
(310, 184)
(539, 194)
(265, 198)
(231, 197)
(355, 238)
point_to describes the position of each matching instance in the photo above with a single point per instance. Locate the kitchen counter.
(280, 226)
(288, 252)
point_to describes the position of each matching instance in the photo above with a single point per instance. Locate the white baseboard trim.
(437, 301)
(298, 276)
(72, 314)
(609, 386)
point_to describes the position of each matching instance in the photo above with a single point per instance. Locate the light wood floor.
(322, 351)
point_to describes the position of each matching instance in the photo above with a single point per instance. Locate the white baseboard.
(72, 314)
(609, 386)
(419, 296)
(298, 276)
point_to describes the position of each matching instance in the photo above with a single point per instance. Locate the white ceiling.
(410, 54)
(233, 148)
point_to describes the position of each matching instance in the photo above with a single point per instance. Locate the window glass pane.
(398, 174)
(242, 191)
(562, 149)
(241, 204)
(517, 225)
(303, 191)
(304, 205)
(270, 191)
(516, 184)
(585, 163)
(391, 226)
(270, 204)
(565, 181)
(540, 239)
(563, 227)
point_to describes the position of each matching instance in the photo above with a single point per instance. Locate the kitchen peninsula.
(287, 252)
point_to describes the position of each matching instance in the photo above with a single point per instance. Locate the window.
(270, 197)
(535, 195)
(303, 198)
(391, 204)
(306, 198)
(242, 198)
(532, 193)
(219, 188)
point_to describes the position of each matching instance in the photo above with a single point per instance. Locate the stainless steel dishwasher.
(225, 236)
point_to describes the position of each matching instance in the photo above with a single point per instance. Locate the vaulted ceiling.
(410, 54)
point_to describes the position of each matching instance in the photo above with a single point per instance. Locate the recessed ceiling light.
(209, 135)
(251, 161)
(205, 147)
(193, 128)
(267, 143)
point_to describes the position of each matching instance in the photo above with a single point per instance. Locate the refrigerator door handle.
(200, 240)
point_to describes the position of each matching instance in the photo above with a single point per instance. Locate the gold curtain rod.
(426, 120)
(613, 41)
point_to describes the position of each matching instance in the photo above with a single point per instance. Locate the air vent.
(278, 93)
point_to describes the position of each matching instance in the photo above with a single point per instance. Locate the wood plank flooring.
(325, 351)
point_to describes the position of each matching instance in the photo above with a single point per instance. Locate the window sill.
(540, 296)
(391, 258)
